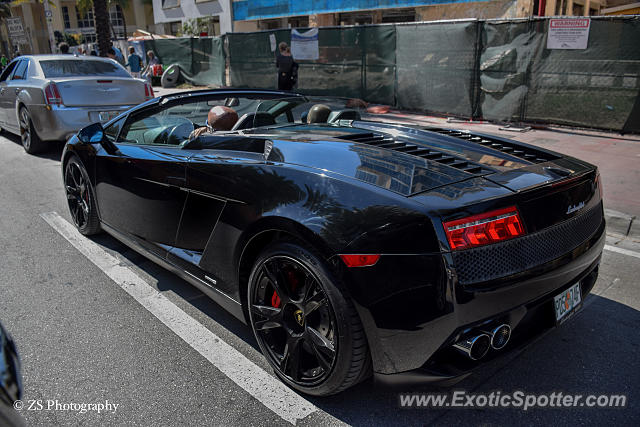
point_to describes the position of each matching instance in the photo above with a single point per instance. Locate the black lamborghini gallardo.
(350, 246)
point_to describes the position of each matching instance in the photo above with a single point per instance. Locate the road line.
(265, 388)
(622, 251)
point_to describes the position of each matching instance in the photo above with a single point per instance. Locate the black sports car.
(350, 246)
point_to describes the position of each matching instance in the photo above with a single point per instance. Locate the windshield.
(81, 67)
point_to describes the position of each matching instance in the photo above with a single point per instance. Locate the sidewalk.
(616, 156)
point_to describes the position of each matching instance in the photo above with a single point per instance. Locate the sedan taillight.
(52, 94)
(484, 229)
(148, 92)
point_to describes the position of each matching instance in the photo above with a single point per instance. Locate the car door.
(14, 85)
(222, 184)
(5, 99)
(140, 188)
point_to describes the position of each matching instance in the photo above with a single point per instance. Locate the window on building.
(358, 18)
(299, 22)
(398, 15)
(175, 28)
(168, 4)
(65, 17)
(117, 21)
(87, 20)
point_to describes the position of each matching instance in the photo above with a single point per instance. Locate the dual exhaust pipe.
(477, 346)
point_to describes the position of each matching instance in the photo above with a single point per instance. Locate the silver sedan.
(50, 97)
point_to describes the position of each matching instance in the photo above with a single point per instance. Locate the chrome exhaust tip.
(499, 336)
(475, 348)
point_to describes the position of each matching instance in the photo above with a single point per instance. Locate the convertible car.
(351, 246)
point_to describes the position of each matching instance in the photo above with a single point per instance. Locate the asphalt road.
(83, 339)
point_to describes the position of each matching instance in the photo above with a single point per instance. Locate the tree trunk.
(124, 23)
(101, 16)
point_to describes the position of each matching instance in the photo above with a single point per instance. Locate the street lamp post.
(48, 16)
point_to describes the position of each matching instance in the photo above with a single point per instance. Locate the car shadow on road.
(167, 281)
(53, 149)
(593, 353)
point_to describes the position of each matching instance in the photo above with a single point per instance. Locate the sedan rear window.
(81, 67)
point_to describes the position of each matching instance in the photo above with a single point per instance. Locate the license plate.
(105, 116)
(567, 303)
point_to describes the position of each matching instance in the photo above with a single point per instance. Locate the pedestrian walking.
(152, 60)
(3, 61)
(134, 62)
(287, 68)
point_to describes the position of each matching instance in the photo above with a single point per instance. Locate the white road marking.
(622, 251)
(265, 388)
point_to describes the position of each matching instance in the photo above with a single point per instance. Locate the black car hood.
(411, 160)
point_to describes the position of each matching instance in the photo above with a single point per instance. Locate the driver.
(219, 118)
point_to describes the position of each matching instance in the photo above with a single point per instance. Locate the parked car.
(10, 381)
(50, 97)
(350, 246)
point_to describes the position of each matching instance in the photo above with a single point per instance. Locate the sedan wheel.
(80, 198)
(31, 142)
(309, 333)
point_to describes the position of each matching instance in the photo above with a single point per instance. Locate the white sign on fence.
(305, 45)
(568, 33)
(272, 41)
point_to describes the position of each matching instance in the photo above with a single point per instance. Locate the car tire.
(80, 198)
(31, 142)
(302, 317)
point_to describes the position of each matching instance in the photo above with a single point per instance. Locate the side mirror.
(94, 134)
(91, 134)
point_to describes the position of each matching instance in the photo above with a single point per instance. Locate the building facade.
(209, 17)
(254, 15)
(65, 21)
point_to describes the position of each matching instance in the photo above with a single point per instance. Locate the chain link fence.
(495, 70)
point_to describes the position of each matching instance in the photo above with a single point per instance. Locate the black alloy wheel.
(80, 198)
(308, 331)
(31, 142)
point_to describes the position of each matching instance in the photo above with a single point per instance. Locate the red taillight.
(148, 91)
(360, 260)
(52, 95)
(484, 229)
(599, 185)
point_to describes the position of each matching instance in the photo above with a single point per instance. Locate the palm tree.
(5, 9)
(101, 17)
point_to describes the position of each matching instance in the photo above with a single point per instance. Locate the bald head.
(319, 113)
(222, 118)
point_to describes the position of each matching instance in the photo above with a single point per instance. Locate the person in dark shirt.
(287, 68)
(134, 62)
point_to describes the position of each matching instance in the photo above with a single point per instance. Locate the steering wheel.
(175, 134)
(180, 132)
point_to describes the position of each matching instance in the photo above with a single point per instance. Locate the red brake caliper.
(275, 299)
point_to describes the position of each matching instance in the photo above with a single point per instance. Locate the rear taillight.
(360, 260)
(52, 95)
(484, 229)
(148, 91)
(599, 185)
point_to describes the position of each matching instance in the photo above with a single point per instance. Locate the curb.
(622, 224)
